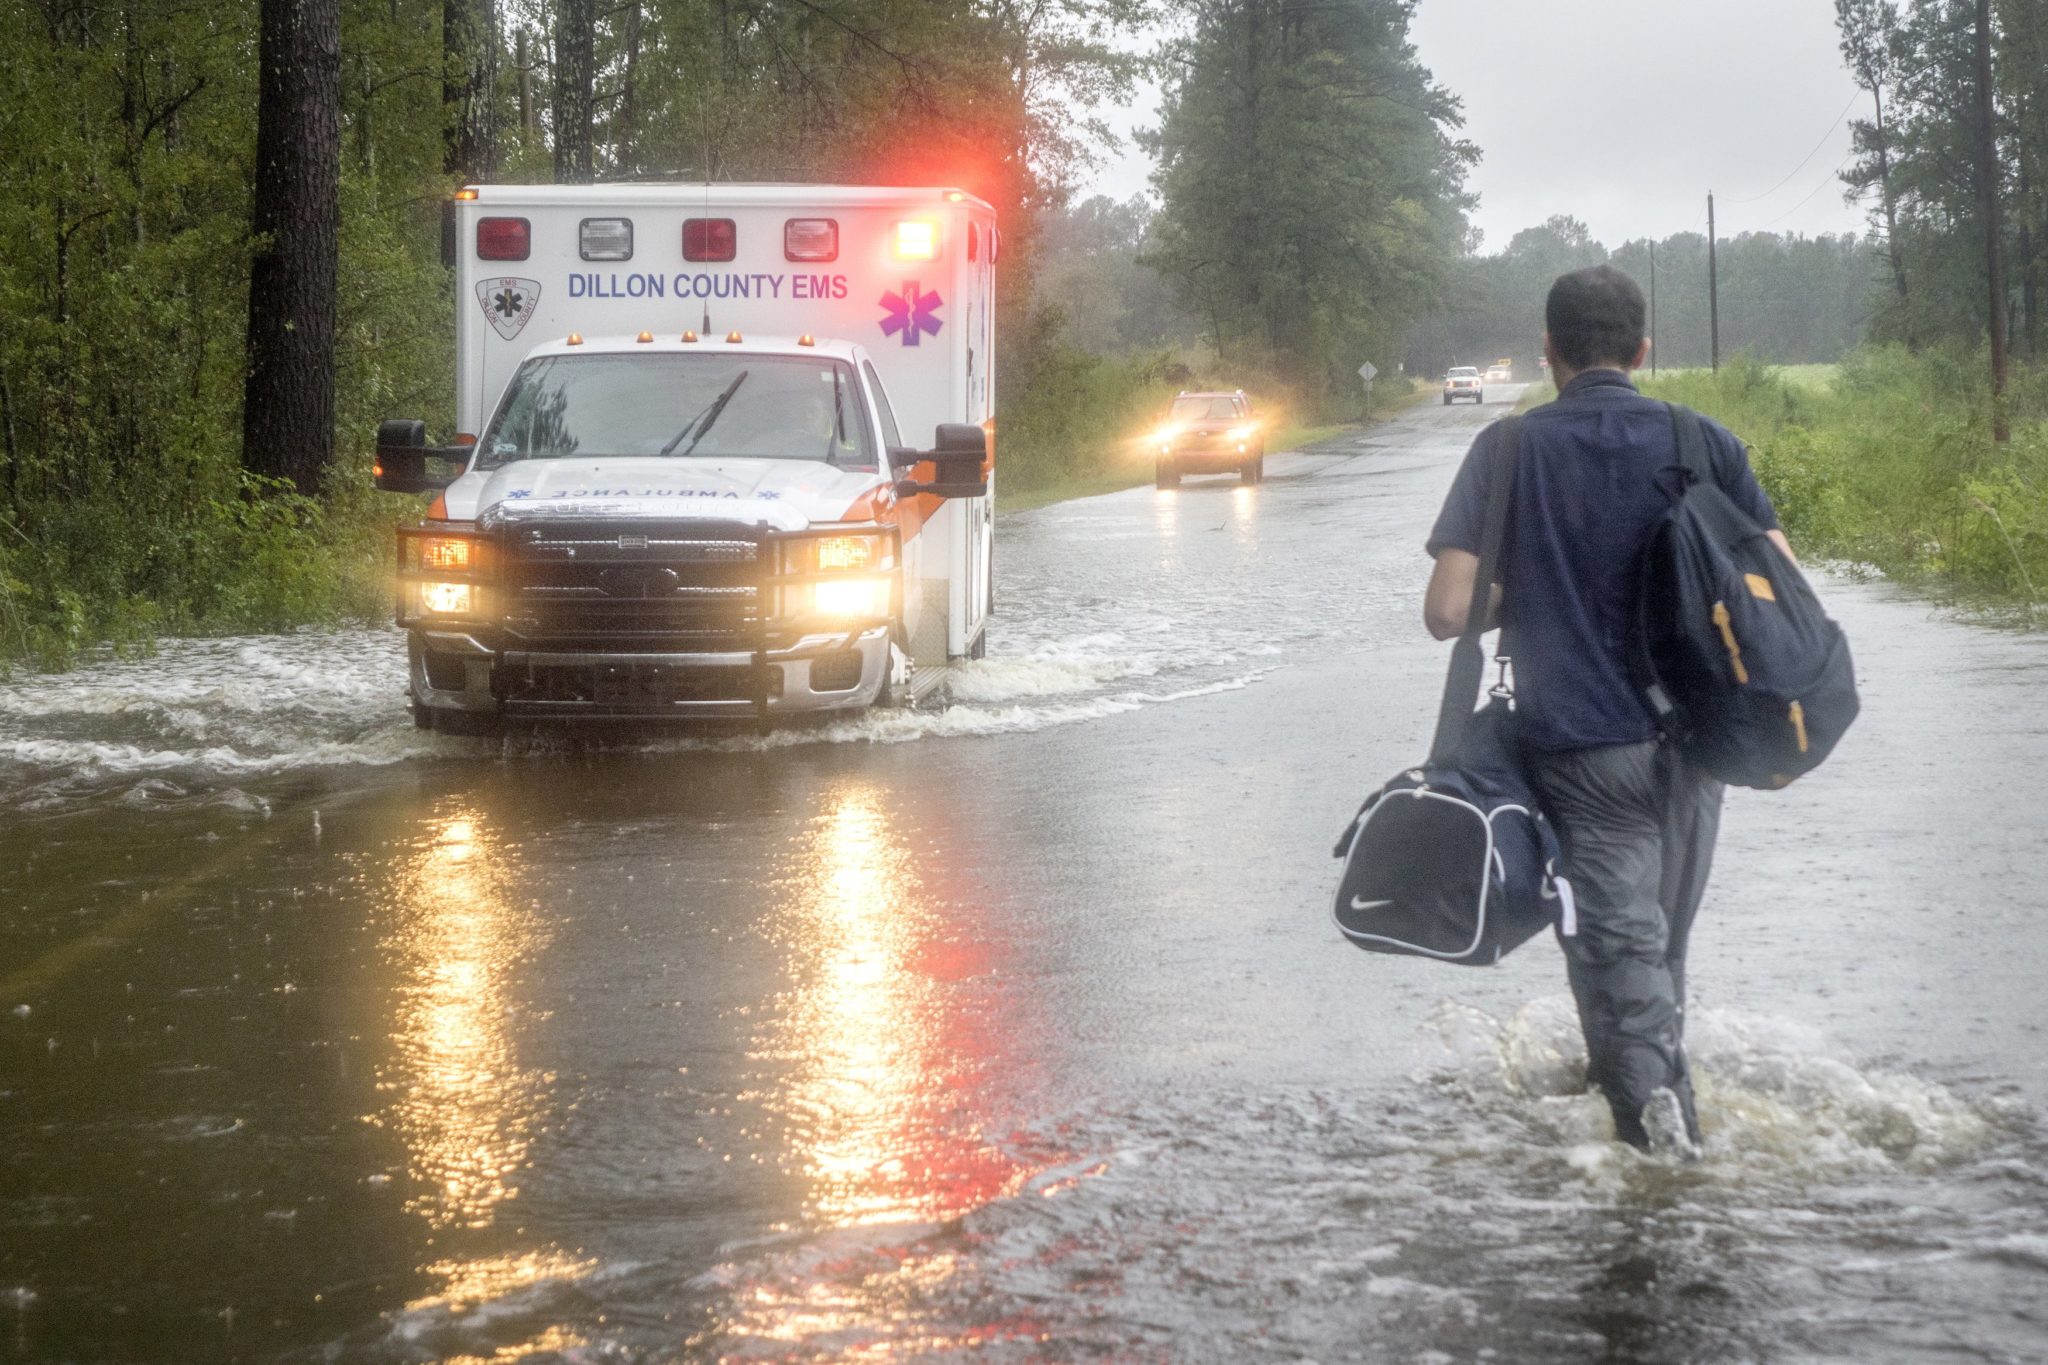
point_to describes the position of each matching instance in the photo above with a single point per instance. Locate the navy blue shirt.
(1586, 497)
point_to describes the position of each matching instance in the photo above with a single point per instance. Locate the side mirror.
(402, 454)
(959, 451)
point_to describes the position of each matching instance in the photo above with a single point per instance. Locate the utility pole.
(1653, 308)
(1713, 289)
(1994, 228)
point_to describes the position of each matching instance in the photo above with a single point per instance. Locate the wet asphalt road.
(1015, 1029)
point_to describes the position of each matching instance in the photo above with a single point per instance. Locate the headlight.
(1242, 433)
(845, 552)
(854, 598)
(450, 553)
(451, 599)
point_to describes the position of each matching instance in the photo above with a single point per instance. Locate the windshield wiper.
(708, 416)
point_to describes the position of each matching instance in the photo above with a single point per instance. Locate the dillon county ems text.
(685, 285)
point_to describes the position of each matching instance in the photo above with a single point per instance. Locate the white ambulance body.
(695, 421)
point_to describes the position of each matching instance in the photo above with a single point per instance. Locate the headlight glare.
(448, 599)
(852, 598)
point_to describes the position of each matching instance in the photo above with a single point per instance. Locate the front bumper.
(1215, 455)
(816, 673)
(614, 618)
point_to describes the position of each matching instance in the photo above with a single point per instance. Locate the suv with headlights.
(1209, 433)
(1464, 381)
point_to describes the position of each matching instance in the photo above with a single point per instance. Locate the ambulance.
(725, 452)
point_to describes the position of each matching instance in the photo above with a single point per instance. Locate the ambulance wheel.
(1447, 400)
(1166, 475)
(1253, 471)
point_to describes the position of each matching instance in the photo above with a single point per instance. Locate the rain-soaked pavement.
(1015, 1028)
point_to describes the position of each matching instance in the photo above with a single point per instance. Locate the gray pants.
(1637, 824)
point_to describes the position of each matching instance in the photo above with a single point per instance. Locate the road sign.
(1367, 371)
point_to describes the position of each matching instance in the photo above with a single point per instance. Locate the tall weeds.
(1892, 467)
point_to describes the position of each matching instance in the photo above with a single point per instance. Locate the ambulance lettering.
(589, 284)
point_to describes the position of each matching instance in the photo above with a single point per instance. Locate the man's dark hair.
(1595, 317)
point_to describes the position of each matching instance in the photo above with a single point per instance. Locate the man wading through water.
(1637, 822)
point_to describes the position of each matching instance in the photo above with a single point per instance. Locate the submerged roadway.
(1016, 1028)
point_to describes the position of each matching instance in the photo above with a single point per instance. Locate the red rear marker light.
(709, 239)
(917, 239)
(503, 239)
(810, 239)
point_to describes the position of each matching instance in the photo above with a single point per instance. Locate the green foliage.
(1893, 467)
(1312, 191)
(1917, 166)
(1791, 300)
(126, 149)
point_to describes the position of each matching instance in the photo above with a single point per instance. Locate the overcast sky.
(1624, 113)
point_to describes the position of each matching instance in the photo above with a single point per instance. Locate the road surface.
(1016, 1028)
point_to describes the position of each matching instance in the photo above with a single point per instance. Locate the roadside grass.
(1887, 465)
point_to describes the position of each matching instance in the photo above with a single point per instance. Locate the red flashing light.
(709, 239)
(503, 239)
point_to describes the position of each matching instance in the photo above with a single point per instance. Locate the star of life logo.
(508, 302)
(912, 312)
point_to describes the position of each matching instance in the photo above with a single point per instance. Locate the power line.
(1809, 156)
(1833, 176)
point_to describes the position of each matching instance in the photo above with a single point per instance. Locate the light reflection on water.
(887, 1110)
(465, 1107)
(885, 1134)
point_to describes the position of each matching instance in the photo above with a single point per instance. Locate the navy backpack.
(1737, 659)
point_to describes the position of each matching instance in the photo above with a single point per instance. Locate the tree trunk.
(469, 79)
(1994, 227)
(1884, 187)
(628, 139)
(575, 75)
(525, 91)
(288, 407)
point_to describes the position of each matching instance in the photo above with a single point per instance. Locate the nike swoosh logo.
(1357, 904)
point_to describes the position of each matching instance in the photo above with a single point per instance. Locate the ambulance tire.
(1253, 472)
(1447, 400)
(1166, 475)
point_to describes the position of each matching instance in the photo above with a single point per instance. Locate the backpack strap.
(1468, 662)
(1691, 439)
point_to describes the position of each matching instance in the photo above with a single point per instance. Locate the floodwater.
(1015, 1029)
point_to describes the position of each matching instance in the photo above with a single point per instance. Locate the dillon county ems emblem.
(508, 303)
(912, 312)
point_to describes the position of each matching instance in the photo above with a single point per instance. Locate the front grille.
(658, 586)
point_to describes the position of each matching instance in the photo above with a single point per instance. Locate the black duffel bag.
(1453, 860)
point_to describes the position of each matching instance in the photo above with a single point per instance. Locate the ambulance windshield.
(702, 406)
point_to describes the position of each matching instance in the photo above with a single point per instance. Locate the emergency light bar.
(709, 239)
(605, 239)
(917, 239)
(503, 239)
